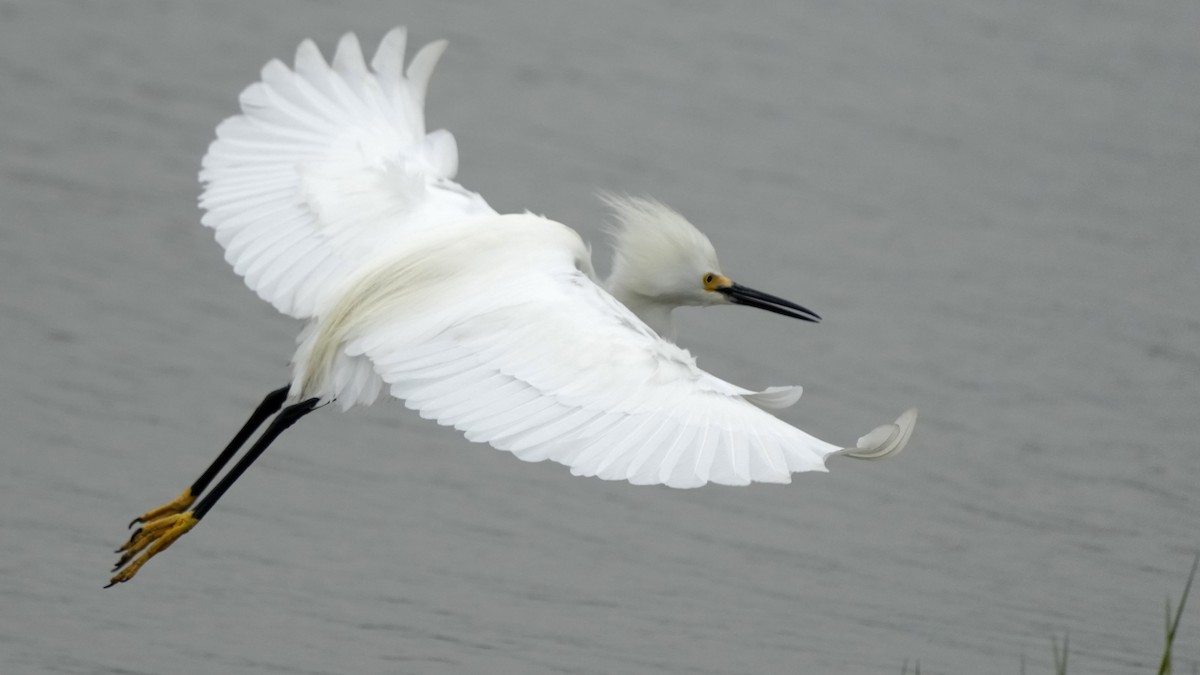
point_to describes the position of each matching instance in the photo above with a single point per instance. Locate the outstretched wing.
(327, 166)
(522, 350)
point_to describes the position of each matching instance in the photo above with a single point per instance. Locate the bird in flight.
(337, 207)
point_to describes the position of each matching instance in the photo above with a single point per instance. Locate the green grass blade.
(1060, 658)
(1173, 623)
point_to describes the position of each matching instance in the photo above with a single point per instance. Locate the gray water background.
(995, 205)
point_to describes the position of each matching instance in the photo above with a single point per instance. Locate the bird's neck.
(651, 311)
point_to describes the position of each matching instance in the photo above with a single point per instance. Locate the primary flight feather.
(335, 205)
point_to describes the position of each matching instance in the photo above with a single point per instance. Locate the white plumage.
(337, 207)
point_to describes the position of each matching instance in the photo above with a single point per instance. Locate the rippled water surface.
(994, 205)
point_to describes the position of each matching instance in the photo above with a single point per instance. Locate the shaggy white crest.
(659, 261)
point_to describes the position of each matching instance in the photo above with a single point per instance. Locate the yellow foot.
(178, 505)
(152, 538)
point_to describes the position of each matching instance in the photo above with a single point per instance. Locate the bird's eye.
(708, 278)
(711, 281)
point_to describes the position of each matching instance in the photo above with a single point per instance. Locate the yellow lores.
(715, 282)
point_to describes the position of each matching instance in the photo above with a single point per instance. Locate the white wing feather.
(519, 348)
(327, 167)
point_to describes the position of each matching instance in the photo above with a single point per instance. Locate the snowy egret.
(335, 205)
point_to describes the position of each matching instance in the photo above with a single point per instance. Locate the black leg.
(286, 418)
(269, 406)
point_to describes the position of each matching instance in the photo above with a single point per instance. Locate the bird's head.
(661, 261)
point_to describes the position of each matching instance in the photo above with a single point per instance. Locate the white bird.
(337, 207)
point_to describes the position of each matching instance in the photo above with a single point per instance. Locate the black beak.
(740, 295)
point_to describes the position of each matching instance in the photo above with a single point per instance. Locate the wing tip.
(389, 56)
(775, 398)
(420, 69)
(886, 440)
